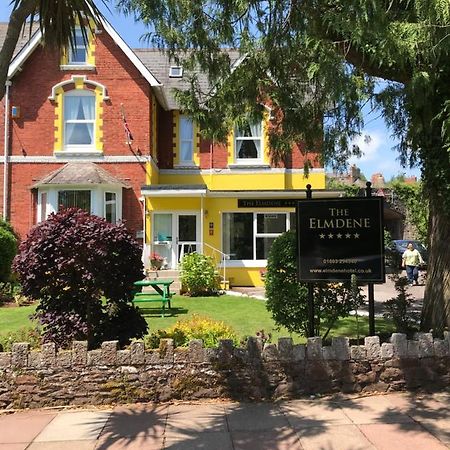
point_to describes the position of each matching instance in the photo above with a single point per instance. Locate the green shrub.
(195, 327)
(287, 298)
(8, 249)
(198, 275)
(32, 335)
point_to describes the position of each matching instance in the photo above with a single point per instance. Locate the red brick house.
(98, 127)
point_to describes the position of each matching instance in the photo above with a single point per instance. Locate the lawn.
(245, 315)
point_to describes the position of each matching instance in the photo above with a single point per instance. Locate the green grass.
(245, 315)
(12, 318)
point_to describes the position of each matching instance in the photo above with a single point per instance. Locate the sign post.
(310, 285)
(370, 292)
(338, 238)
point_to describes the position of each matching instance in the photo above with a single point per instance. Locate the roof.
(153, 64)
(159, 63)
(80, 174)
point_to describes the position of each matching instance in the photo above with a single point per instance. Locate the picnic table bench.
(161, 288)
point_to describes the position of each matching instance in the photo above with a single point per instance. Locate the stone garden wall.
(108, 375)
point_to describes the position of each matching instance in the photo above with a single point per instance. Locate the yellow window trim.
(231, 147)
(57, 96)
(176, 141)
(90, 57)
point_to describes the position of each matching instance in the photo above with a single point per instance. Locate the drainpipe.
(6, 154)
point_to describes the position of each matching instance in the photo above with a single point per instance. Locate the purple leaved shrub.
(82, 268)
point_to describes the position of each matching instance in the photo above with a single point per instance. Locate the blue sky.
(378, 154)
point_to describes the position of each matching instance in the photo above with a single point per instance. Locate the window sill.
(185, 165)
(256, 165)
(77, 67)
(75, 153)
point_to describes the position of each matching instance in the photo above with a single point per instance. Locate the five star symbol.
(339, 235)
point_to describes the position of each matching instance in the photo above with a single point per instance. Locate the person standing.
(411, 259)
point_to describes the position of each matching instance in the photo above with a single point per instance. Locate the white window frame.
(80, 147)
(82, 46)
(249, 161)
(98, 195)
(187, 119)
(110, 202)
(254, 262)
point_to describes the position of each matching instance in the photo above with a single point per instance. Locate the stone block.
(328, 352)
(35, 360)
(341, 348)
(123, 357)
(19, 357)
(137, 351)
(152, 357)
(166, 350)
(372, 344)
(447, 338)
(49, 354)
(413, 349)
(440, 348)
(5, 360)
(285, 347)
(196, 351)
(299, 352)
(94, 358)
(358, 352)
(225, 349)
(426, 345)
(400, 344)
(79, 353)
(181, 355)
(387, 350)
(64, 358)
(109, 353)
(270, 352)
(254, 347)
(314, 348)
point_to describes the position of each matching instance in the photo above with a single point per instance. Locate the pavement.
(393, 421)
(382, 292)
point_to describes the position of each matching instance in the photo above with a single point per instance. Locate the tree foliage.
(8, 249)
(287, 298)
(70, 263)
(58, 18)
(303, 59)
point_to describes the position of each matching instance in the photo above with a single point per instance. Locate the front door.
(188, 234)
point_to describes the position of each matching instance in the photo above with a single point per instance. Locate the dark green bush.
(8, 250)
(72, 261)
(199, 275)
(287, 298)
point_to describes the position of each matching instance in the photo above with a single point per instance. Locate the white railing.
(195, 247)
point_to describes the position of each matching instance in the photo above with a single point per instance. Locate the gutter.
(6, 153)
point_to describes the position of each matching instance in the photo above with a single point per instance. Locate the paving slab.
(66, 445)
(302, 413)
(191, 419)
(215, 441)
(21, 446)
(375, 409)
(338, 437)
(74, 426)
(129, 443)
(284, 439)
(139, 420)
(23, 427)
(251, 417)
(401, 436)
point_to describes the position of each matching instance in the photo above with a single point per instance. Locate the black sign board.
(266, 203)
(340, 237)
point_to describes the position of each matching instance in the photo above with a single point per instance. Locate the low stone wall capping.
(108, 375)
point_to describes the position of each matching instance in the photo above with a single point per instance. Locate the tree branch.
(16, 22)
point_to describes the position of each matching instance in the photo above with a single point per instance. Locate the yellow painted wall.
(247, 181)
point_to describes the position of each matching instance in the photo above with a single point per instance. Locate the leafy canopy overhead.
(309, 58)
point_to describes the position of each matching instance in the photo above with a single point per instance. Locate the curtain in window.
(79, 115)
(186, 139)
(255, 129)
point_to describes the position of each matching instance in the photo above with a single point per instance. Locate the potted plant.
(156, 261)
